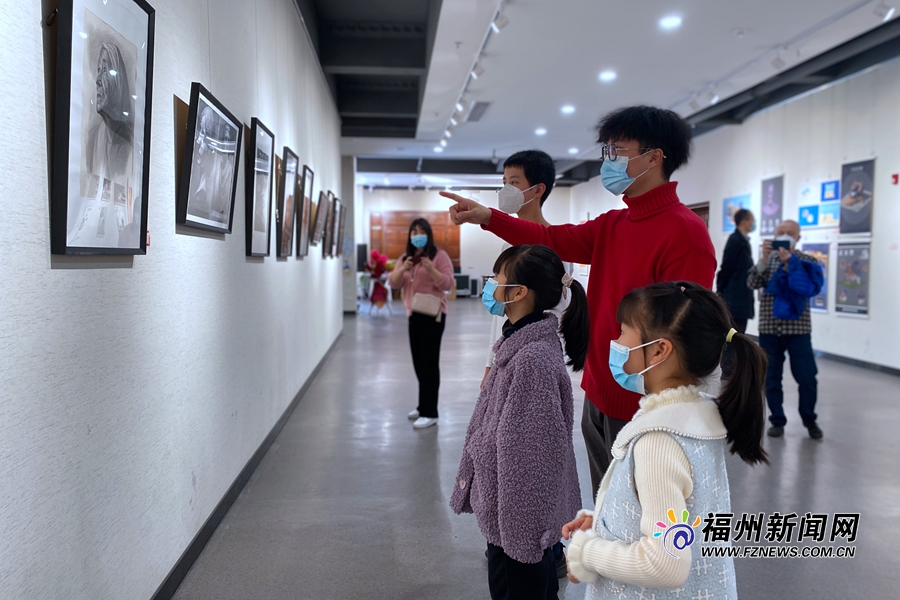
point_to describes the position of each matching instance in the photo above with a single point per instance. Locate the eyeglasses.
(611, 151)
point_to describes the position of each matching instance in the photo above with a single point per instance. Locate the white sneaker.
(413, 415)
(423, 422)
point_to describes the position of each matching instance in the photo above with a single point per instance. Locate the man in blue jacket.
(789, 279)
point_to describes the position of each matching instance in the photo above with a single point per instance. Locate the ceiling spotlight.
(499, 23)
(387, 181)
(573, 150)
(460, 107)
(443, 143)
(715, 99)
(670, 22)
(453, 121)
(884, 12)
(608, 76)
(438, 149)
(477, 72)
(568, 109)
(540, 131)
(448, 134)
(778, 62)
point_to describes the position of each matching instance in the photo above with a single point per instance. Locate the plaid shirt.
(768, 324)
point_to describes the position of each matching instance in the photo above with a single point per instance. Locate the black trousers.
(803, 367)
(509, 579)
(599, 432)
(425, 343)
(729, 355)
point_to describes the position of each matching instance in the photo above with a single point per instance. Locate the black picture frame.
(341, 225)
(329, 226)
(286, 210)
(321, 218)
(258, 176)
(336, 227)
(100, 206)
(304, 211)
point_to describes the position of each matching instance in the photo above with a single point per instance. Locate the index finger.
(455, 197)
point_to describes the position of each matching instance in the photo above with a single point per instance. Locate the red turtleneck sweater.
(657, 238)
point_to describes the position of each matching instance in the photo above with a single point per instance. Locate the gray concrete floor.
(351, 502)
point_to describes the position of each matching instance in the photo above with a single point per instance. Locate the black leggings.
(425, 343)
(508, 579)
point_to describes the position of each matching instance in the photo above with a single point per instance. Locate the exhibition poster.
(852, 286)
(858, 188)
(729, 207)
(772, 205)
(819, 303)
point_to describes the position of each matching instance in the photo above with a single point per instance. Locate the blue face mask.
(618, 356)
(492, 305)
(419, 241)
(614, 174)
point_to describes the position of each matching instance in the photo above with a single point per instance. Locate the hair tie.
(730, 335)
(567, 283)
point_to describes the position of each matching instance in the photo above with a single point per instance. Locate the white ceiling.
(552, 51)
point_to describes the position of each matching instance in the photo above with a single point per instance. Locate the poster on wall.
(327, 240)
(287, 194)
(100, 161)
(771, 205)
(858, 188)
(830, 214)
(729, 207)
(831, 191)
(320, 217)
(820, 252)
(808, 216)
(304, 212)
(258, 188)
(852, 280)
(209, 170)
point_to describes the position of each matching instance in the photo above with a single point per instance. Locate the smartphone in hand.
(776, 244)
(416, 259)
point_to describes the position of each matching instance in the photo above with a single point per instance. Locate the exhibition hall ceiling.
(552, 69)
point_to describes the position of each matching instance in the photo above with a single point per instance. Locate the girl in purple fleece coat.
(517, 472)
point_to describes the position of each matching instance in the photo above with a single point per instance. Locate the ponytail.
(742, 403)
(575, 327)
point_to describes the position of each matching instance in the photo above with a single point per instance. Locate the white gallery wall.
(133, 391)
(806, 140)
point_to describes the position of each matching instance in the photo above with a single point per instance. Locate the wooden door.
(702, 211)
(389, 232)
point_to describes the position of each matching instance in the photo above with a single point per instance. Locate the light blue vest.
(620, 519)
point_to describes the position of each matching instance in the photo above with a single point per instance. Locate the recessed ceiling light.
(448, 134)
(438, 149)
(568, 109)
(443, 143)
(540, 131)
(460, 107)
(608, 76)
(670, 22)
(453, 121)
(573, 150)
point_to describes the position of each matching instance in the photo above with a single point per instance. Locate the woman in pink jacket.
(425, 272)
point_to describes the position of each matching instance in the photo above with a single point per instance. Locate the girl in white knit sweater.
(668, 471)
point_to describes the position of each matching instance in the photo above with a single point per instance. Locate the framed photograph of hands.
(100, 161)
(259, 174)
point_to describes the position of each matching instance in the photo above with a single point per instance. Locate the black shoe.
(776, 431)
(561, 571)
(814, 431)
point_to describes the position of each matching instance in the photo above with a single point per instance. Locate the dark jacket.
(731, 282)
(794, 287)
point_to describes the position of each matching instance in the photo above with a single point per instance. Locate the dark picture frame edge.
(305, 207)
(279, 208)
(250, 188)
(321, 217)
(184, 187)
(59, 169)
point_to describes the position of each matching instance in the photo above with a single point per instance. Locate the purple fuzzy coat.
(517, 472)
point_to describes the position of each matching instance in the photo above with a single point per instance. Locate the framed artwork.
(858, 189)
(321, 216)
(259, 174)
(327, 239)
(772, 205)
(730, 206)
(336, 227)
(287, 193)
(209, 171)
(100, 161)
(341, 225)
(304, 212)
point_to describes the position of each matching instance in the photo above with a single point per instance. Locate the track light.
(453, 121)
(460, 107)
(715, 99)
(884, 12)
(477, 72)
(499, 23)
(443, 143)
(448, 134)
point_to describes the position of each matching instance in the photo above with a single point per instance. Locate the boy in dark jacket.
(789, 279)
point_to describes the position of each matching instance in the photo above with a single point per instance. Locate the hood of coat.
(545, 329)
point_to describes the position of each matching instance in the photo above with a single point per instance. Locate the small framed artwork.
(209, 172)
(336, 228)
(100, 161)
(259, 174)
(327, 240)
(341, 224)
(304, 212)
(321, 217)
(287, 193)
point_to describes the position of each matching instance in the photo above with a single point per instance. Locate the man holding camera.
(788, 278)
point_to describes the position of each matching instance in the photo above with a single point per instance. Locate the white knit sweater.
(662, 478)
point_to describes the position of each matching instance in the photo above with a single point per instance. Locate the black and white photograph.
(321, 218)
(287, 193)
(258, 189)
(101, 150)
(304, 212)
(210, 168)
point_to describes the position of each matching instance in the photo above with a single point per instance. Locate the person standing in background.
(425, 270)
(731, 282)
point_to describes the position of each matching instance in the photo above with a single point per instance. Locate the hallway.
(350, 502)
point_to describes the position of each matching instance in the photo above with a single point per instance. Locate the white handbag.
(427, 304)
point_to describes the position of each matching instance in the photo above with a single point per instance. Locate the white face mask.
(511, 199)
(786, 238)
